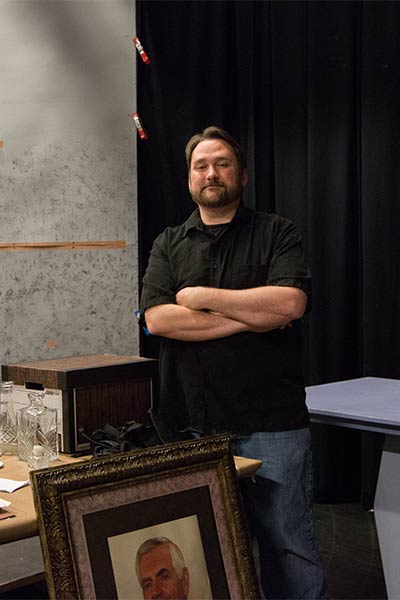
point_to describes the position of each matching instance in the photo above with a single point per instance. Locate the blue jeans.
(278, 509)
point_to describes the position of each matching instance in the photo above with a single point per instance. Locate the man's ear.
(185, 580)
(244, 178)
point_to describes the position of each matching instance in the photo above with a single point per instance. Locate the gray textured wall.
(67, 173)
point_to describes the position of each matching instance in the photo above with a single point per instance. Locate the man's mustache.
(213, 185)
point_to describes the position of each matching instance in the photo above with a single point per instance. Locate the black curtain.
(312, 90)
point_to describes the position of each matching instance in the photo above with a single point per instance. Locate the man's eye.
(200, 167)
(146, 585)
(164, 577)
(223, 164)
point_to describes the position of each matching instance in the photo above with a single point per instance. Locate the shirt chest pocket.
(248, 276)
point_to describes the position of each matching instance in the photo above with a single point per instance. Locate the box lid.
(78, 371)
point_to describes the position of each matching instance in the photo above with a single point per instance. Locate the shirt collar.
(242, 214)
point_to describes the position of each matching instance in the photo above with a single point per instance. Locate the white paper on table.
(10, 485)
(4, 503)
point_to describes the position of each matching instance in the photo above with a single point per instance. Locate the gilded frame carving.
(82, 507)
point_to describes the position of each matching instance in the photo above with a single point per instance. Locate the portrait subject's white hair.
(177, 559)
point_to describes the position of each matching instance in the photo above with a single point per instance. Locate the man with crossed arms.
(225, 292)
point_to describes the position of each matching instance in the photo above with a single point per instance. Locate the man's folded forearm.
(261, 309)
(181, 323)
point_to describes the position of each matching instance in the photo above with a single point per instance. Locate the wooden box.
(88, 391)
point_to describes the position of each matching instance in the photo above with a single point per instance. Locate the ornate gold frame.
(63, 494)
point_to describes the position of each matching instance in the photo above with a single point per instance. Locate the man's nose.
(212, 172)
(156, 591)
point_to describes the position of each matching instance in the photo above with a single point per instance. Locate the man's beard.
(221, 196)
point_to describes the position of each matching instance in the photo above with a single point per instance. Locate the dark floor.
(349, 548)
(350, 552)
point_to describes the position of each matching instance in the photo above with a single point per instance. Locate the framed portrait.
(104, 523)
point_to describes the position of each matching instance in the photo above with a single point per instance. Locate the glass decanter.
(37, 430)
(8, 419)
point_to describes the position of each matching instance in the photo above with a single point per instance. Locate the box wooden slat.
(73, 371)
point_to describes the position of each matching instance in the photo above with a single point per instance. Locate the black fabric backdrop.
(312, 90)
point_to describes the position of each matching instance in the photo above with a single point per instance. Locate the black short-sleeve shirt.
(244, 382)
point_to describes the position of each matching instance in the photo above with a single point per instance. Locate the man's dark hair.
(215, 133)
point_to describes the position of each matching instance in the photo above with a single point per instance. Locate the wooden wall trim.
(95, 245)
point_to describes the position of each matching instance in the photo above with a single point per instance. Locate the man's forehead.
(207, 148)
(157, 554)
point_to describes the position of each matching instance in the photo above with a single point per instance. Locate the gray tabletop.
(370, 403)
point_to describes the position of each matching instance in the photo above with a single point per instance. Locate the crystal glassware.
(38, 458)
(37, 430)
(8, 419)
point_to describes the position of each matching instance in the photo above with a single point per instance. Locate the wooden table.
(21, 561)
(24, 524)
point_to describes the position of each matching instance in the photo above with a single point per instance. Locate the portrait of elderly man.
(161, 570)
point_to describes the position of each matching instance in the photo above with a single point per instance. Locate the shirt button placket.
(213, 266)
(213, 273)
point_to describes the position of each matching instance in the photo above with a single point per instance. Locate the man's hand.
(193, 297)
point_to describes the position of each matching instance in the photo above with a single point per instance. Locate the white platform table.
(371, 404)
